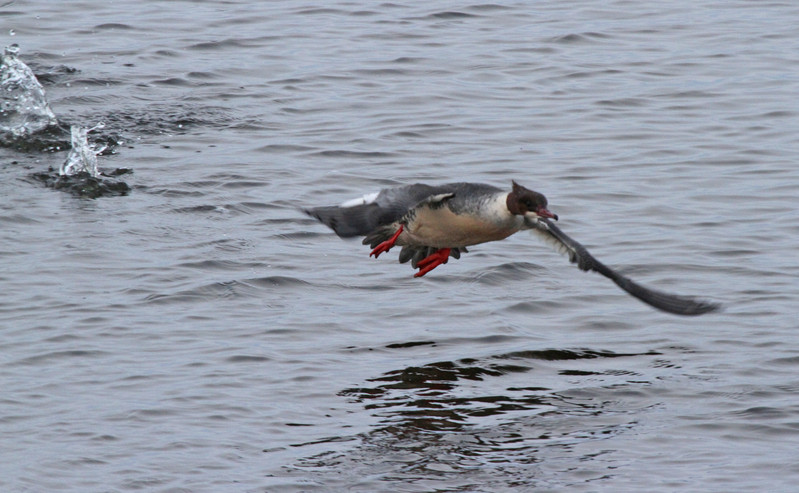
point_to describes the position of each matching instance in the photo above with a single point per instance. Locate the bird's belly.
(444, 229)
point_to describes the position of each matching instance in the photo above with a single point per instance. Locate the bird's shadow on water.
(438, 428)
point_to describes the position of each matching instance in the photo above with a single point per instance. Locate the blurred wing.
(364, 215)
(679, 305)
(356, 220)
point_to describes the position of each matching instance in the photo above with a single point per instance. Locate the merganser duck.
(433, 223)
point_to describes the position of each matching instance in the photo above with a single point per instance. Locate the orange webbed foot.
(386, 245)
(432, 261)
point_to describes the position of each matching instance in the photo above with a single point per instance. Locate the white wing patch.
(554, 243)
(434, 199)
(366, 199)
(541, 229)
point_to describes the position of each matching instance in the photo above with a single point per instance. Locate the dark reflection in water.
(431, 436)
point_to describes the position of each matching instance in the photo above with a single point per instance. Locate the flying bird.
(434, 223)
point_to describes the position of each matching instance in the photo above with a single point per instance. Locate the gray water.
(202, 335)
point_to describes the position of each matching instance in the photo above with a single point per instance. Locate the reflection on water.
(433, 428)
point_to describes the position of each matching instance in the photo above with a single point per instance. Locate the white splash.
(83, 157)
(23, 104)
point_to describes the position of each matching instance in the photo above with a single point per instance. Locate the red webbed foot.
(386, 245)
(432, 261)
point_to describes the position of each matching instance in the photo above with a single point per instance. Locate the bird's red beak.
(544, 212)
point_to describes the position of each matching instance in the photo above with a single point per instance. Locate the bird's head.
(525, 202)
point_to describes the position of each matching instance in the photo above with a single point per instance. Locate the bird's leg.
(441, 256)
(386, 245)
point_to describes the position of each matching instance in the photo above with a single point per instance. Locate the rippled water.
(200, 334)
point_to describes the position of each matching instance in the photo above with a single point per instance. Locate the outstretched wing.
(680, 305)
(363, 216)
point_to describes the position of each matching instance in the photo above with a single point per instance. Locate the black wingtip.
(671, 303)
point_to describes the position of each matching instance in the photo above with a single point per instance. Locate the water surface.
(200, 334)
